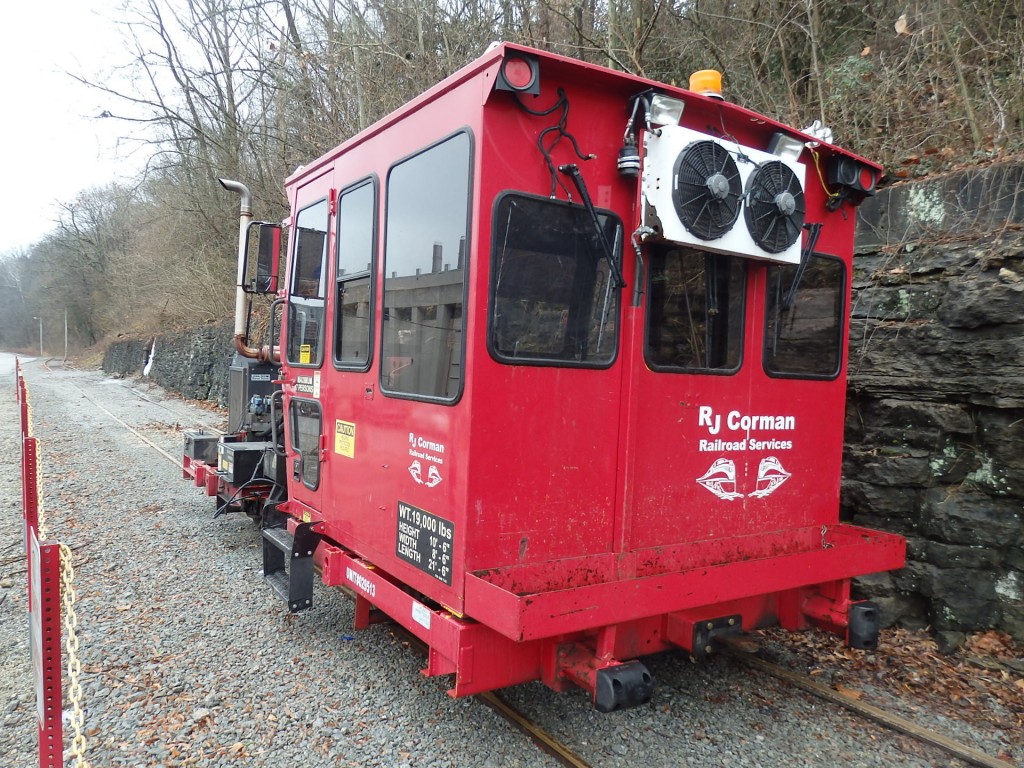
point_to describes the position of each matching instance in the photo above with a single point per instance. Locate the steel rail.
(138, 394)
(167, 408)
(177, 462)
(538, 735)
(502, 708)
(871, 712)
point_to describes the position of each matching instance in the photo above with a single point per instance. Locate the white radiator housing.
(658, 182)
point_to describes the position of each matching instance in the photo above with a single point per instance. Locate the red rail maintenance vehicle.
(560, 377)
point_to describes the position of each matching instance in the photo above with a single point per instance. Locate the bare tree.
(251, 91)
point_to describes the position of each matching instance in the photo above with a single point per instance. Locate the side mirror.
(262, 257)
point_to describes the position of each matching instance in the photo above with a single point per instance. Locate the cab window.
(804, 324)
(308, 289)
(695, 310)
(427, 226)
(357, 216)
(553, 297)
(306, 441)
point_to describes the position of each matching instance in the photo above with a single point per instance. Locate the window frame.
(374, 182)
(549, 362)
(742, 308)
(843, 318)
(291, 295)
(293, 411)
(470, 192)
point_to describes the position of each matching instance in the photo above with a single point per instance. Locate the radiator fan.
(694, 185)
(708, 189)
(775, 206)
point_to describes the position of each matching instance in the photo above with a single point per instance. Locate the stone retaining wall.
(193, 363)
(935, 412)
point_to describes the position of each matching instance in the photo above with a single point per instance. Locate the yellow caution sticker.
(305, 354)
(345, 438)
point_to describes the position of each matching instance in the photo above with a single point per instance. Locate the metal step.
(289, 572)
(281, 539)
(278, 582)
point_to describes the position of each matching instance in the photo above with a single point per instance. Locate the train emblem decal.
(720, 478)
(427, 451)
(433, 476)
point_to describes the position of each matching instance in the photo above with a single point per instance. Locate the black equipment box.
(201, 446)
(249, 378)
(238, 463)
(274, 465)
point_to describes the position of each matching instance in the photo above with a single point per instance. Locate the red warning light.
(519, 74)
(868, 179)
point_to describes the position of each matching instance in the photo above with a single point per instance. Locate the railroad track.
(871, 712)
(140, 395)
(565, 755)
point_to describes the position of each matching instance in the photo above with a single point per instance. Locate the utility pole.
(40, 319)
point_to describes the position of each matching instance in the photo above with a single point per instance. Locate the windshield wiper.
(813, 230)
(573, 171)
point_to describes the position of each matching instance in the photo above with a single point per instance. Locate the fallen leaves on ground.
(982, 682)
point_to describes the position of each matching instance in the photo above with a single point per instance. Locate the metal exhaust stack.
(244, 219)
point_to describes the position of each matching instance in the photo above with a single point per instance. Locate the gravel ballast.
(189, 660)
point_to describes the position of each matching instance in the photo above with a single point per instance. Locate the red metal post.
(30, 485)
(44, 619)
(44, 600)
(30, 502)
(22, 401)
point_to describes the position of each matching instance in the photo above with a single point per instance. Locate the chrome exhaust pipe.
(244, 219)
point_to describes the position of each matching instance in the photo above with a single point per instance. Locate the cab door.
(304, 341)
(740, 398)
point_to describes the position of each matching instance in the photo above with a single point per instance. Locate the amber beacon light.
(707, 82)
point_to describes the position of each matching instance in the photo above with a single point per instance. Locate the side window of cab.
(307, 297)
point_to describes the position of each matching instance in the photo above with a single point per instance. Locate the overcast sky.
(53, 143)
